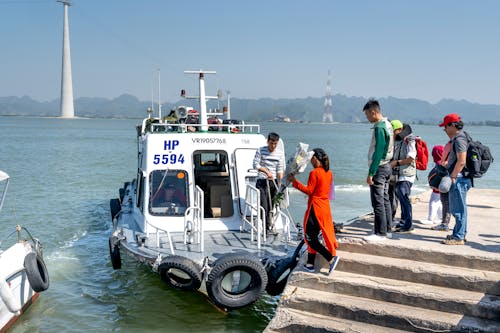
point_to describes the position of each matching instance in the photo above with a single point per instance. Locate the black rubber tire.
(180, 273)
(121, 193)
(223, 267)
(278, 275)
(114, 206)
(36, 271)
(114, 252)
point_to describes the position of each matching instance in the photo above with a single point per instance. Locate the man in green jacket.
(379, 157)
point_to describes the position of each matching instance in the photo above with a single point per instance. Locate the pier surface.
(410, 283)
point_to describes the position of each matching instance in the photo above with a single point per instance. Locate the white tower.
(67, 107)
(328, 114)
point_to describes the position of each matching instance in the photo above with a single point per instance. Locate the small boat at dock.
(192, 212)
(23, 274)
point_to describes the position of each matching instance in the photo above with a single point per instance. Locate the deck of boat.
(219, 243)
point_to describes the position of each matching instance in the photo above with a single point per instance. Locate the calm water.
(63, 173)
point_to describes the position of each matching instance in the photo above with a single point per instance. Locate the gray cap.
(445, 184)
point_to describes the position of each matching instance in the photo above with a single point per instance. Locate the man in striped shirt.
(269, 161)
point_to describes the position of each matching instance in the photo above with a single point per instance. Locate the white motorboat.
(192, 213)
(23, 273)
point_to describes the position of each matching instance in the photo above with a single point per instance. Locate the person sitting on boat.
(169, 195)
(270, 163)
(318, 215)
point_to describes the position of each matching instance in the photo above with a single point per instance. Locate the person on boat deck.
(169, 194)
(270, 162)
(318, 216)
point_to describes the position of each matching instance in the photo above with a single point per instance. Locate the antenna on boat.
(202, 97)
(152, 97)
(159, 103)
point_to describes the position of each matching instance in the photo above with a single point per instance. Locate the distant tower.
(328, 114)
(67, 107)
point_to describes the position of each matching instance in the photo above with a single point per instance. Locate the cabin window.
(168, 192)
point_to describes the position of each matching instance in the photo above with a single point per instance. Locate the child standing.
(435, 205)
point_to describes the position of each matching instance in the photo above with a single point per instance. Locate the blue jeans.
(458, 206)
(379, 195)
(403, 191)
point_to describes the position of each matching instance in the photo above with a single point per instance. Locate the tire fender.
(278, 275)
(236, 280)
(180, 273)
(36, 271)
(8, 298)
(114, 206)
(114, 252)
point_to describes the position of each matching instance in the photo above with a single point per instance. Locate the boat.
(23, 274)
(192, 213)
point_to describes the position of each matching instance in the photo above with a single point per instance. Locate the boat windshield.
(168, 194)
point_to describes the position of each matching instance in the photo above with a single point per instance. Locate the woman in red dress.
(318, 216)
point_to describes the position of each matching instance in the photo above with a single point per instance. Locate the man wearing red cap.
(453, 126)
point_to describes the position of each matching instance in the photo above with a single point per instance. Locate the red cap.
(450, 118)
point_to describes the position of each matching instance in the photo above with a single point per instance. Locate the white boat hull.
(16, 294)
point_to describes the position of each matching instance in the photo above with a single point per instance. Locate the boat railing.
(155, 125)
(37, 246)
(158, 236)
(253, 215)
(193, 221)
(286, 226)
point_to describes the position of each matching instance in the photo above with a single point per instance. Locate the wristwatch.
(397, 163)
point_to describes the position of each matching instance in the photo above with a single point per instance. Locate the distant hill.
(345, 109)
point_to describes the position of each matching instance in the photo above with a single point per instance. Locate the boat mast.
(228, 113)
(202, 97)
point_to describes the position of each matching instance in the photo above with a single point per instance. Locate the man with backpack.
(403, 166)
(461, 183)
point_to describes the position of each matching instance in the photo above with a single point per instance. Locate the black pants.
(312, 233)
(267, 190)
(379, 194)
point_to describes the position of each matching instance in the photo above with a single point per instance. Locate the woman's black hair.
(322, 158)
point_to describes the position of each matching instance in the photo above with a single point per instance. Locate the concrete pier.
(410, 283)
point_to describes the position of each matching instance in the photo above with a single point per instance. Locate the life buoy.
(8, 298)
(114, 207)
(279, 272)
(36, 271)
(236, 280)
(114, 252)
(180, 273)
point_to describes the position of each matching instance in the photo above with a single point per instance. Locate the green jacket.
(381, 146)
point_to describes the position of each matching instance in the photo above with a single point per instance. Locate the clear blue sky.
(261, 48)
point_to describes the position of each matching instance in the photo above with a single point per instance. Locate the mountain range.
(310, 109)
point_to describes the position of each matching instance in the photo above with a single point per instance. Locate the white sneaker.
(374, 238)
(388, 235)
(427, 222)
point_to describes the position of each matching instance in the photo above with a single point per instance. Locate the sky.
(426, 49)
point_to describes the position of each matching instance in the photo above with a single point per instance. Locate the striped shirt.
(274, 162)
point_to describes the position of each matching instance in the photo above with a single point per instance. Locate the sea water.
(63, 173)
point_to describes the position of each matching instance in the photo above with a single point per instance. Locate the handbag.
(436, 175)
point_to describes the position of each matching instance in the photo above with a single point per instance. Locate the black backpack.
(478, 158)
